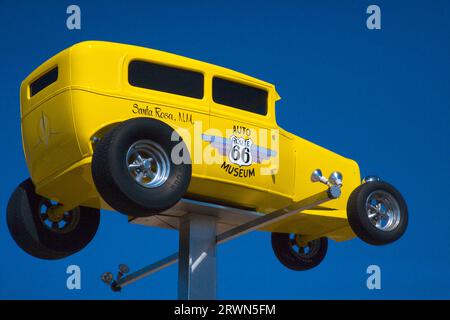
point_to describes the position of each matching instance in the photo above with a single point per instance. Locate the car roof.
(177, 60)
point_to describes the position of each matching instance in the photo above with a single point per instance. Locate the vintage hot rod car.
(120, 127)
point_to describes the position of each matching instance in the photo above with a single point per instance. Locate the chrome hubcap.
(304, 250)
(383, 210)
(148, 164)
(63, 224)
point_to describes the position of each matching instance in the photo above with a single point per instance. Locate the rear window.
(239, 96)
(43, 81)
(166, 79)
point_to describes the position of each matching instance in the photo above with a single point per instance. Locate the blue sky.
(381, 97)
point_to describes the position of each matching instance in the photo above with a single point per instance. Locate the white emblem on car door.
(240, 152)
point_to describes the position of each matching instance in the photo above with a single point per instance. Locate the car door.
(246, 137)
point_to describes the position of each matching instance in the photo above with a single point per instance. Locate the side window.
(166, 79)
(43, 81)
(239, 96)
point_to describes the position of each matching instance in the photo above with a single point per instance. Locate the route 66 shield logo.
(240, 152)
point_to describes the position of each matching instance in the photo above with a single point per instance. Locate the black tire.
(358, 214)
(30, 232)
(117, 186)
(295, 257)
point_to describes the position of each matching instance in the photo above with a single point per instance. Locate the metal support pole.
(198, 241)
(141, 273)
(197, 258)
(332, 193)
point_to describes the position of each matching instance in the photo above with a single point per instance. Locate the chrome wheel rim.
(148, 164)
(305, 251)
(383, 210)
(66, 223)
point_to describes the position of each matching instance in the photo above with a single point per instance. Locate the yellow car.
(125, 128)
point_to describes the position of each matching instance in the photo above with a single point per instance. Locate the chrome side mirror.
(317, 176)
(335, 178)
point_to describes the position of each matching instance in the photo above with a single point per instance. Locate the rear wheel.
(298, 256)
(377, 213)
(42, 235)
(133, 169)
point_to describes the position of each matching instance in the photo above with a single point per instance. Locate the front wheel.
(42, 235)
(377, 213)
(296, 255)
